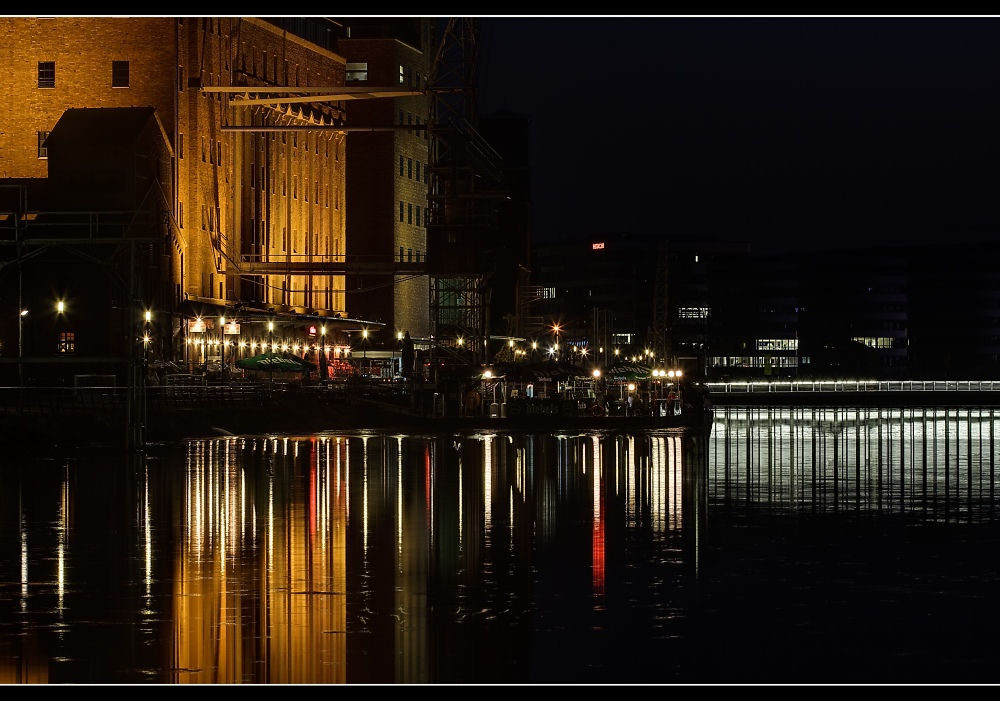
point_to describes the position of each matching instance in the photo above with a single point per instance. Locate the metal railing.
(179, 396)
(854, 386)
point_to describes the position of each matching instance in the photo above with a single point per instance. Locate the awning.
(626, 372)
(275, 362)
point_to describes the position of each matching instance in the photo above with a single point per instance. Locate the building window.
(400, 165)
(42, 151)
(409, 214)
(356, 71)
(418, 171)
(400, 210)
(402, 75)
(119, 74)
(180, 145)
(409, 168)
(180, 215)
(66, 342)
(418, 215)
(46, 74)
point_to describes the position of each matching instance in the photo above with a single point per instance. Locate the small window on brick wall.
(119, 74)
(46, 74)
(42, 151)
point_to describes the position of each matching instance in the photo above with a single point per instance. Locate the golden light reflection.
(488, 482)
(287, 604)
(254, 583)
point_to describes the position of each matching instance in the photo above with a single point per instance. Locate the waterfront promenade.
(97, 415)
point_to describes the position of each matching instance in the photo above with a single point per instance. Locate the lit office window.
(356, 71)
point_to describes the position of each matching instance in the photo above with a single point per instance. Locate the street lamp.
(324, 363)
(399, 342)
(675, 375)
(147, 316)
(20, 345)
(364, 348)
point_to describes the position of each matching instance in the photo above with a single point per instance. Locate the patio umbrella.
(275, 362)
(515, 372)
(556, 370)
(626, 372)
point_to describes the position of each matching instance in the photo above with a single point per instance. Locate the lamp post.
(675, 375)
(323, 362)
(148, 317)
(364, 349)
(598, 388)
(20, 347)
(399, 342)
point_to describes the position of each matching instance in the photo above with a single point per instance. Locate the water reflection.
(937, 464)
(484, 558)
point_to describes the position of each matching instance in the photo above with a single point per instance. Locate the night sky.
(791, 133)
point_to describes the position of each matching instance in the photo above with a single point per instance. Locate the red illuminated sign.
(598, 246)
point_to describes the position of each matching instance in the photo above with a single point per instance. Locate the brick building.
(388, 168)
(256, 215)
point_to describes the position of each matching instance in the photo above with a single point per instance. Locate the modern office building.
(627, 297)
(883, 313)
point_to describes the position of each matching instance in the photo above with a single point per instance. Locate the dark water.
(789, 546)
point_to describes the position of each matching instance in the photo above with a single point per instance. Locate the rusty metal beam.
(328, 268)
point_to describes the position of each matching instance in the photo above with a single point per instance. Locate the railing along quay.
(867, 392)
(104, 399)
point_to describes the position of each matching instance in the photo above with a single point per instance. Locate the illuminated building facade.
(256, 192)
(388, 167)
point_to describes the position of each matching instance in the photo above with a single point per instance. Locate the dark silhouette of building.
(905, 312)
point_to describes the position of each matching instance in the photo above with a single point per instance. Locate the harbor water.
(787, 545)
